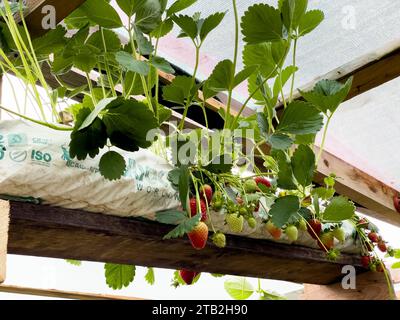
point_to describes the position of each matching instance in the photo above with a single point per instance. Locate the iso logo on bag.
(40, 157)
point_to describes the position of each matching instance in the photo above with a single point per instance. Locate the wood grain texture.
(45, 231)
(360, 187)
(34, 15)
(4, 220)
(369, 286)
(53, 293)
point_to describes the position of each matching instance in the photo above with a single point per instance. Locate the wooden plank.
(53, 293)
(4, 219)
(369, 286)
(360, 187)
(45, 231)
(34, 15)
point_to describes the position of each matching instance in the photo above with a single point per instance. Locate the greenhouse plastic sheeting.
(34, 162)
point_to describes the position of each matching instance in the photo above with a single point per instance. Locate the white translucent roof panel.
(365, 132)
(351, 29)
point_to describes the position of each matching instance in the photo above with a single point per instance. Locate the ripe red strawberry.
(370, 246)
(382, 246)
(365, 261)
(326, 241)
(198, 236)
(275, 232)
(193, 208)
(206, 192)
(314, 228)
(396, 202)
(262, 180)
(374, 237)
(188, 276)
(257, 206)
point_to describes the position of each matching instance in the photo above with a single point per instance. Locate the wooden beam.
(39, 230)
(369, 286)
(34, 15)
(360, 187)
(53, 293)
(4, 219)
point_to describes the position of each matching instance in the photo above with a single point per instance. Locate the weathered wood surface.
(53, 293)
(4, 218)
(360, 187)
(35, 13)
(39, 230)
(369, 286)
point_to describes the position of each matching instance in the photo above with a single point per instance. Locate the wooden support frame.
(39, 230)
(53, 293)
(4, 220)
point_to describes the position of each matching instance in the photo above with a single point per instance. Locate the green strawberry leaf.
(188, 26)
(310, 21)
(327, 95)
(239, 288)
(280, 141)
(119, 276)
(184, 185)
(262, 23)
(283, 209)
(339, 209)
(171, 217)
(184, 227)
(300, 118)
(101, 12)
(303, 165)
(179, 90)
(210, 23)
(74, 262)
(285, 174)
(293, 12)
(112, 165)
(128, 63)
(179, 6)
(149, 277)
(162, 64)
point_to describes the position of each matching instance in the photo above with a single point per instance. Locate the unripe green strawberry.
(302, 225)
(234, 222)
(275, 232)
(250, 186)
(242, 211)
(292, 233)
(339, 234)
(219, 239)
(252, 222)
(217, 205)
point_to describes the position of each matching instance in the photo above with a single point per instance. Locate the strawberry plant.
(123, 105)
